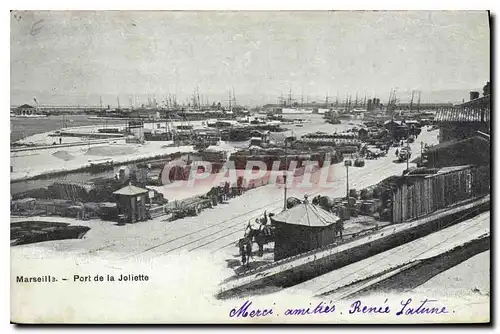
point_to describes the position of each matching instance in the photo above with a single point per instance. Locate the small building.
(263, 136)
(302, 228)
(136, 129)
(131, 201)
(25, 110)
(363, 133)
(397, 129)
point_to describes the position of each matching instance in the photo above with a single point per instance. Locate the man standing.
(339, 228)
(226, 190)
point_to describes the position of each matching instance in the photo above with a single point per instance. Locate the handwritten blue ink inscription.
(423, 307)
(406, 307)
(358, 307)
(245, 311)
(321, 308)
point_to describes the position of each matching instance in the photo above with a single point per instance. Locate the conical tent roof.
(306, 214)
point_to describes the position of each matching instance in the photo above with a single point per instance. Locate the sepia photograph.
(250, 167)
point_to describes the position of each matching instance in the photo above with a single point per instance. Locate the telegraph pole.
(408, 146)
(421, 152)
(347, 163)
(347, 183)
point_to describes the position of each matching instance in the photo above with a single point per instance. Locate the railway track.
(355, 184)
(226, 233)
(234, 223)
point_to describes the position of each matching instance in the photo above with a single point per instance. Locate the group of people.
(222, 194)
(60, 142)
(260, 232)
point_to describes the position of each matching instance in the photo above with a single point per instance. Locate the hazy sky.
(75, 57)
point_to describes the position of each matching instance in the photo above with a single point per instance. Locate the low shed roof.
(306, 214)
(131, 190)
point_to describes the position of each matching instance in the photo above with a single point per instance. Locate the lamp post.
(347, 163)
(407, 157)
(408, 147)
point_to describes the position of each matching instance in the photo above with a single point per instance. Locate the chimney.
(474, 95)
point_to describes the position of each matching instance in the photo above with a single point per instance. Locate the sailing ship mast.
(198, 96)
(281, 100)
(234, 98)
(389, 101)
(411, 102)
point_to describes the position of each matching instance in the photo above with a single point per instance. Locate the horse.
(220, 194)
(226, 191)
(292, 201)
(325, 202)
(261, 235)
(213, 194)
(245, 246)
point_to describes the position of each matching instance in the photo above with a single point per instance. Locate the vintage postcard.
(321, 167)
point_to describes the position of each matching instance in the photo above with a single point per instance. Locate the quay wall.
(48, 147)
(106, 163)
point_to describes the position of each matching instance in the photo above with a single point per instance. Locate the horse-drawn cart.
(190, 207)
